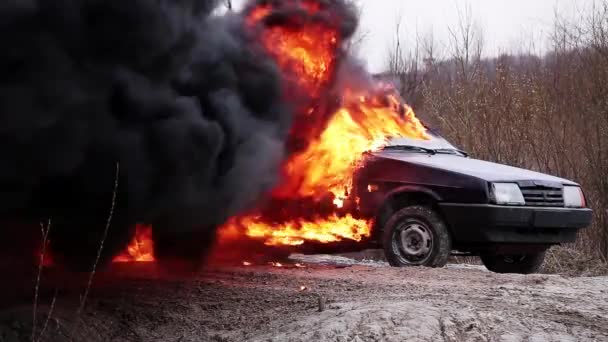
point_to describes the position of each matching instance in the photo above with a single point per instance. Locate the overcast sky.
(505, 23)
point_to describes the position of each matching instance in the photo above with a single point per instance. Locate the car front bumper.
(470, 223)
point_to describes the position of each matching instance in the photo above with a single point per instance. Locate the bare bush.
(547, 113)
(573, 262)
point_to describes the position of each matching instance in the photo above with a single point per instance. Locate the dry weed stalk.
(45, 235)
(48, 317)
(99, 250)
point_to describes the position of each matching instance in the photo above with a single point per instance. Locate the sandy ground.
(336, 300)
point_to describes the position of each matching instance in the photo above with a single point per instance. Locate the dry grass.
(544, 113)
(571, 262)
(45, 232)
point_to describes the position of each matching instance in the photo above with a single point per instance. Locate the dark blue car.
(429, 200)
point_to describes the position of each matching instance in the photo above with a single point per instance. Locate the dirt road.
(336, 302)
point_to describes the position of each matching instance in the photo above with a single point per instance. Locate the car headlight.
(507, 193)
(573, 197)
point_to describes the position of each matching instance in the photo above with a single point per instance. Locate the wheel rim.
(413, 242)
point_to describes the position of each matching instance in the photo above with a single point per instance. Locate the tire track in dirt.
(362, 303)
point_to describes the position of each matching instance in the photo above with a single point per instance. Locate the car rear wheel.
(416, 236)
(75, 244)
(522, 263)
(180, 251)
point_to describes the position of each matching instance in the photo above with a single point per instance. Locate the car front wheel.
(522, 264)
(416, 236)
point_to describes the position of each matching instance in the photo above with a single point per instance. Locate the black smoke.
(186, 103)
(340, 15)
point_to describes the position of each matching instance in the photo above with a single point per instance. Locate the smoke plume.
(187, 104)
(193, 109)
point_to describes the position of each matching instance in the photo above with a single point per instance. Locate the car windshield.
(435, 144)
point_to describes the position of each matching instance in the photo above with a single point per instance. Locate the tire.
(180, 252)
(522, 264)
(416, 236)
(75, 245)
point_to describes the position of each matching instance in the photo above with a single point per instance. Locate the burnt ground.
(321, 302)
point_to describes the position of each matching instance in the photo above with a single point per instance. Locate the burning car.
(429, 198)
(364, 171)
(422, 200)
(266, 130)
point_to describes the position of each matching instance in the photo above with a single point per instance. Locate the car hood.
(485, 170)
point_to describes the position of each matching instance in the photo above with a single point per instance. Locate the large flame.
(362, 124)
(366, 116)
(333, 127)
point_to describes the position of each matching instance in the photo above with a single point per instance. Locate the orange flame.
(141, 247)
(332, 229)
(330, 146)
(258, 14)
(362, 124)
(334, 145)
(308, 53)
